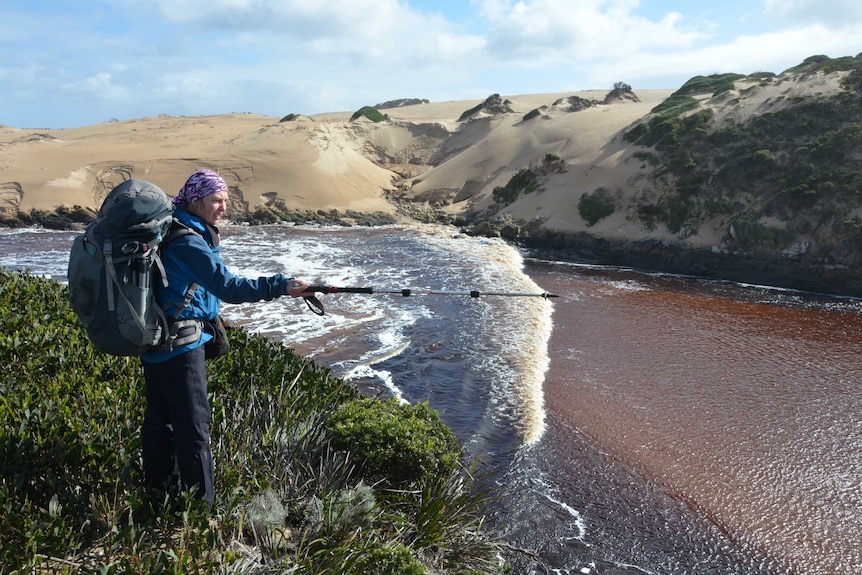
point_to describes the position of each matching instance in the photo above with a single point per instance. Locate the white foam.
(523, 334)
(367, 372)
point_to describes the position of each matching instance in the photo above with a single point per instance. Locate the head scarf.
(200, 184)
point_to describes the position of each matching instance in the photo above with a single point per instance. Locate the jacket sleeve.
(206, 269)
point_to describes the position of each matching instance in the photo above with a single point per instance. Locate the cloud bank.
(62, 65)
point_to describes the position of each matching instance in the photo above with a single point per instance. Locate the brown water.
(746, 404)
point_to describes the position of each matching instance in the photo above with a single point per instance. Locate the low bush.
(368, 112)
(468, 113)
(715, 83)
(396, 444)
(596, 205)
(534, 113)
(525, 181)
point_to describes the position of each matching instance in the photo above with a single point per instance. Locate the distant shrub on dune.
(529, 180)
(400, 103)
(534, 113)
(620, 91)
(676, 105)
(524, 181)
(708, 84)
(493, 104)
(467, 113)
(826, 64)
(573, 103)
(596, 205)
(368, 112)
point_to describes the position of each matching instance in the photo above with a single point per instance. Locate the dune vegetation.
(311, 478)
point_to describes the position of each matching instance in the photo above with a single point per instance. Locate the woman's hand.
(295, 288)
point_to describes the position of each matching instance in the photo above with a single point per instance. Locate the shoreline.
(647, 255)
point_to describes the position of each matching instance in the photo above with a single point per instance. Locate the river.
(638, 423)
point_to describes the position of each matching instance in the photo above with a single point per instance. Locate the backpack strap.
(177, 230)
(187, 299)
(110, 273)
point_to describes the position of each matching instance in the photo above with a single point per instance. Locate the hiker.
(175, 432)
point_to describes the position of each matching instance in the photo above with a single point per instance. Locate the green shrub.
(467, 113)
(715, 83)
(596, 205)
(395, 443)
(368, 112)
(394, 560)
(675, 105)
(749, 234)
(525, 181)
(649, 215)
(552, 164)
(662, 132)
(535, 112)
(677, 211)
(647, 158)
(834, 145)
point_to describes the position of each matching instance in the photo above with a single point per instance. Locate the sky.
(70, 63)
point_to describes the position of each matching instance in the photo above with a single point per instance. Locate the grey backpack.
(114, 269)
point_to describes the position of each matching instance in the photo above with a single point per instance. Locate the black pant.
(175, 434)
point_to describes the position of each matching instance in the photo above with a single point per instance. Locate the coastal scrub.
(288, 498)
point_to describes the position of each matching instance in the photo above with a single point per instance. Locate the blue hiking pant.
(175, 436)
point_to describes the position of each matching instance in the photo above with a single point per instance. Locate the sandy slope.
(311, 163)
(304, 164)
(327, 162)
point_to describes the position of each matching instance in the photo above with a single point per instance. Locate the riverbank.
(647, 254)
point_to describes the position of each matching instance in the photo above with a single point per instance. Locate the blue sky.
(72, 63)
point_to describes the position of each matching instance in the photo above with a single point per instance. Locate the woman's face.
(210, 208)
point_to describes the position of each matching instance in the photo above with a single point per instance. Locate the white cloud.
(130, 58)
(550, 31)
(833, 12)
(768, 52)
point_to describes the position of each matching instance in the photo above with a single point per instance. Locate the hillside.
(751, 178)
(757, 178)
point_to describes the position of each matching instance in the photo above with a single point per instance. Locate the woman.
(175, 432)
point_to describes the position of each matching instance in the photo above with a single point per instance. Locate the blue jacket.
(193, 258)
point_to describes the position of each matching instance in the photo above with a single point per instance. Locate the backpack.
(115, 268)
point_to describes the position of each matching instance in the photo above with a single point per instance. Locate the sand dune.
(321, 163)
(422, 153)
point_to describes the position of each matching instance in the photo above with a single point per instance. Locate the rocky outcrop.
(11, 195)
(494, 105)
(400, 103)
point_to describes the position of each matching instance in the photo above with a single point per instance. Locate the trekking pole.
(317, 307)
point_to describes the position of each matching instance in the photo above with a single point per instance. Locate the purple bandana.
(200, 184)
